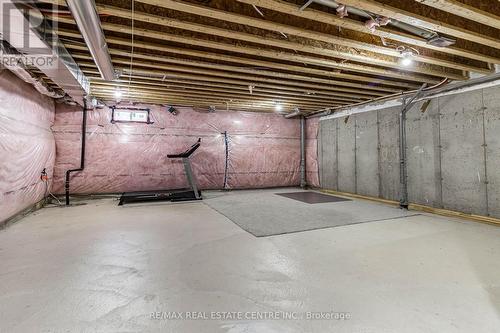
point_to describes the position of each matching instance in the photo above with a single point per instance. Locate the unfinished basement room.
(250, 166)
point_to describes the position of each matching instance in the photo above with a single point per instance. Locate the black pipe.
(82, 157)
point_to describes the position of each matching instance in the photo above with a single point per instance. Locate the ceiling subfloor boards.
(224, 54)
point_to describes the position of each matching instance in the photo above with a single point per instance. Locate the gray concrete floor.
(103, 268)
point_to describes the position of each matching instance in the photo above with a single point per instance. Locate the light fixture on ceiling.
(407, 60)
(118, 94)
(408, 54)
(278, 107)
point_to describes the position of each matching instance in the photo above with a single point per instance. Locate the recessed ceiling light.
(406, 61)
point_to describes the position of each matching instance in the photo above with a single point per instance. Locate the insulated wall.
(453, 151)
(26, 145)
(263, 150)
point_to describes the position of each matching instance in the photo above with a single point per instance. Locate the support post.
(403, 175)
(303, 182)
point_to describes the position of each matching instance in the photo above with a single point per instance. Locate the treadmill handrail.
(188, 152)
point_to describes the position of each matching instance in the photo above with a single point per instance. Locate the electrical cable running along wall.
(453, 152)
(27, 145)
(263, 151)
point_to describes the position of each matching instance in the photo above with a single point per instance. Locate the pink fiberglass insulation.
(263, 150)
(26, 144)
(312, 171)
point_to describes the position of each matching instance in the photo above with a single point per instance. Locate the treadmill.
(170, 195)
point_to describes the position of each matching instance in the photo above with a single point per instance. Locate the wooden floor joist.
(306, 71)
(298, 58)
(412, 74)
(218, 76)
(287, 29)
(237, 69)
(195, 101)
(257, 94)
(201, 95)
(422, 21)
(466, 11)
(222, 95)
(219, 51)
(206, 86)
(203, 80)
(323, 17)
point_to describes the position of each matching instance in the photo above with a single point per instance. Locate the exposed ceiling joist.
(320, 16)
(295, 46)
(247, 70)
(466, 11)
(206, 97)
(170, 97)
(156, 75)
(208, 86)
(251, 81)
(370, 83)
(175, 88)
(222, 53)
(298, 58)
(287, 29)
(422, 21)
(188, 85)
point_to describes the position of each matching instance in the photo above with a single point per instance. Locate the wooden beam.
(422, 21)
(90, 69)
(188, 90)
(170, 71)
(207, 86)
(202, 103)
(466, 11)
(320, 16)
(291, 30)
(240, 69)
(208, 98)
(361, 69)
(246, 37)
(307, 71)
(246, 50)
(212, 96)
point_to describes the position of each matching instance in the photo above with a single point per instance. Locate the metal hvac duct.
(86, 17)
(25, 30)
(39, 85)
(433, 38)
(19, 69)
(296, 112)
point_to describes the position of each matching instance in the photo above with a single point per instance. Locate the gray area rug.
(266, 213)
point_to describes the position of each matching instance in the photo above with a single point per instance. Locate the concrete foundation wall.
(453, 150)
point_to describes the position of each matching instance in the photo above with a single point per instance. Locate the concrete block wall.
(453, 150)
